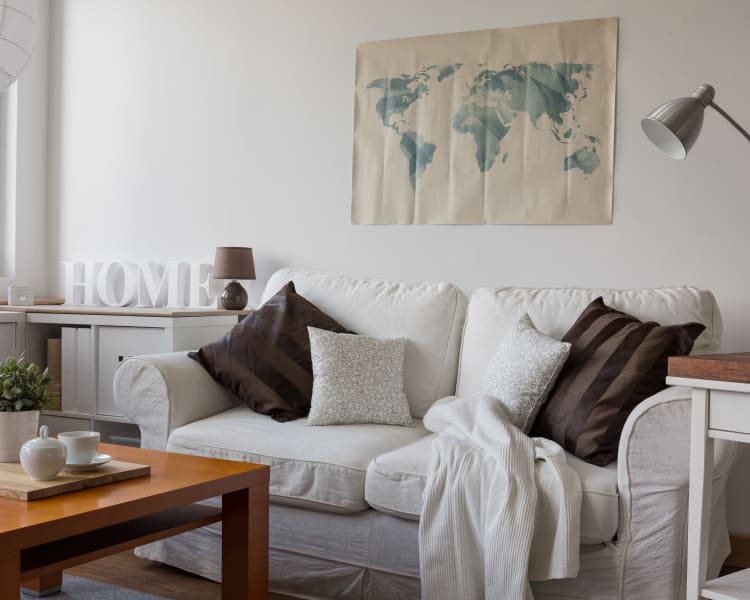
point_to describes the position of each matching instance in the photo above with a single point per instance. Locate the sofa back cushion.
(493, 312)
(616, 361)
(429, 316)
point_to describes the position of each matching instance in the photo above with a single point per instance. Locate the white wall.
(177, 126)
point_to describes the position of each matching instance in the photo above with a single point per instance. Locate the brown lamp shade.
(232, 262)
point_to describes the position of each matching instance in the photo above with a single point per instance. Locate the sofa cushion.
(396, 480)
(265, 358)
(358, 379)
(428, 315)
(616, 362)
(522, 372)
(492, 312)
(319, 467)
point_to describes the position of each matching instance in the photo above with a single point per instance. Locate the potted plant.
(23, 392)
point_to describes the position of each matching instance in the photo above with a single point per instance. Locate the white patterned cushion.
(357, 379)
(523, 370)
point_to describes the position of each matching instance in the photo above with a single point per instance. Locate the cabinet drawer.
(114, 345)
(729, 411)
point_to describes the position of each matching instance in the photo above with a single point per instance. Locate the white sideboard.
(95, 341)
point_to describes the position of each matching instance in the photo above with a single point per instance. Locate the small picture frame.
(20, 296)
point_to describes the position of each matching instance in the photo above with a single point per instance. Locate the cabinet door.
(115, 344)
(7, 339)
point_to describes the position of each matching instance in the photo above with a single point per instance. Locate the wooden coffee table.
(39, 539)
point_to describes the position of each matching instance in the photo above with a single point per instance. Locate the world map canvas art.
(510, 125)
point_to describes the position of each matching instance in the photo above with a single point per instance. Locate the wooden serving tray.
(17, 484)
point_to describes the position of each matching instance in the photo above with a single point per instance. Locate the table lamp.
(232, 262)
(674, 126)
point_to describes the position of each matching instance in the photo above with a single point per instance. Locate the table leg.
(244, 545)
(10, 573)
(44, 585)
(699, 502)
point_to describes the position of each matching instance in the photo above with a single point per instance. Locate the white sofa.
(345, 500)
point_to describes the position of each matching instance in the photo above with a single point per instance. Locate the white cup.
(81, 445)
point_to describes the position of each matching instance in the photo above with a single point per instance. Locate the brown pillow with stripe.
(265, 358)
(616, 361)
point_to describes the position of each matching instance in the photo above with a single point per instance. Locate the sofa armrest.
(653, 472)
(162, 392)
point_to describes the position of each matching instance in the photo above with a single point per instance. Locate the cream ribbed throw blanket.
(500, 508)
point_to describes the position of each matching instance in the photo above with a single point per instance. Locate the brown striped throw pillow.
(616, 361)
(265, 358)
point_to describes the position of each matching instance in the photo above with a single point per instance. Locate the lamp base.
(234, 296)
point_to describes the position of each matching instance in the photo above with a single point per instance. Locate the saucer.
(97, 461)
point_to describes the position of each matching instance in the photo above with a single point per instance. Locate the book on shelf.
(77, 370)
(68, 375)
(54, 369)
(84, 371)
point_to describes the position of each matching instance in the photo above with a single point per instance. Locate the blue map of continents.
(489, 108)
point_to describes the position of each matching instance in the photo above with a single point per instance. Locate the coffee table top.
(175, 480)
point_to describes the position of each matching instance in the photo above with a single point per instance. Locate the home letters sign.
(175, 284)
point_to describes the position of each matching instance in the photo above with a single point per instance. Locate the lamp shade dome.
(674, 126)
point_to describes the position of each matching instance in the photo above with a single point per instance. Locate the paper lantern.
(17, 35)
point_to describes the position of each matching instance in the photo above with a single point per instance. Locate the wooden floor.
(129, 571)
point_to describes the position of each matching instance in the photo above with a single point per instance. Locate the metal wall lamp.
(674, 126)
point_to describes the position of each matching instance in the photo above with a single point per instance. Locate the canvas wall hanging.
(497, 126)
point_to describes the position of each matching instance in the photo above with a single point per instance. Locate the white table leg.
(699, 507)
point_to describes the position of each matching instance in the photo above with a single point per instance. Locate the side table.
(720, 410)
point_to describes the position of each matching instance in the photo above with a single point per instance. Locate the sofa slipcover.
(318, 467)
(165, 393)
(395, 482)
(314, 554)
(429, 315)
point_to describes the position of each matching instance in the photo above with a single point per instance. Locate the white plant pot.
(15, 429)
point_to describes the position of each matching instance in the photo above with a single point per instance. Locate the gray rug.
(86, 589)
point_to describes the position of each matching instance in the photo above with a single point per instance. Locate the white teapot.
(43, 457)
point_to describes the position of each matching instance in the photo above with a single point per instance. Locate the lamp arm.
(724, 114)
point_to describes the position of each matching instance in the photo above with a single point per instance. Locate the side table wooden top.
(714, 367)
